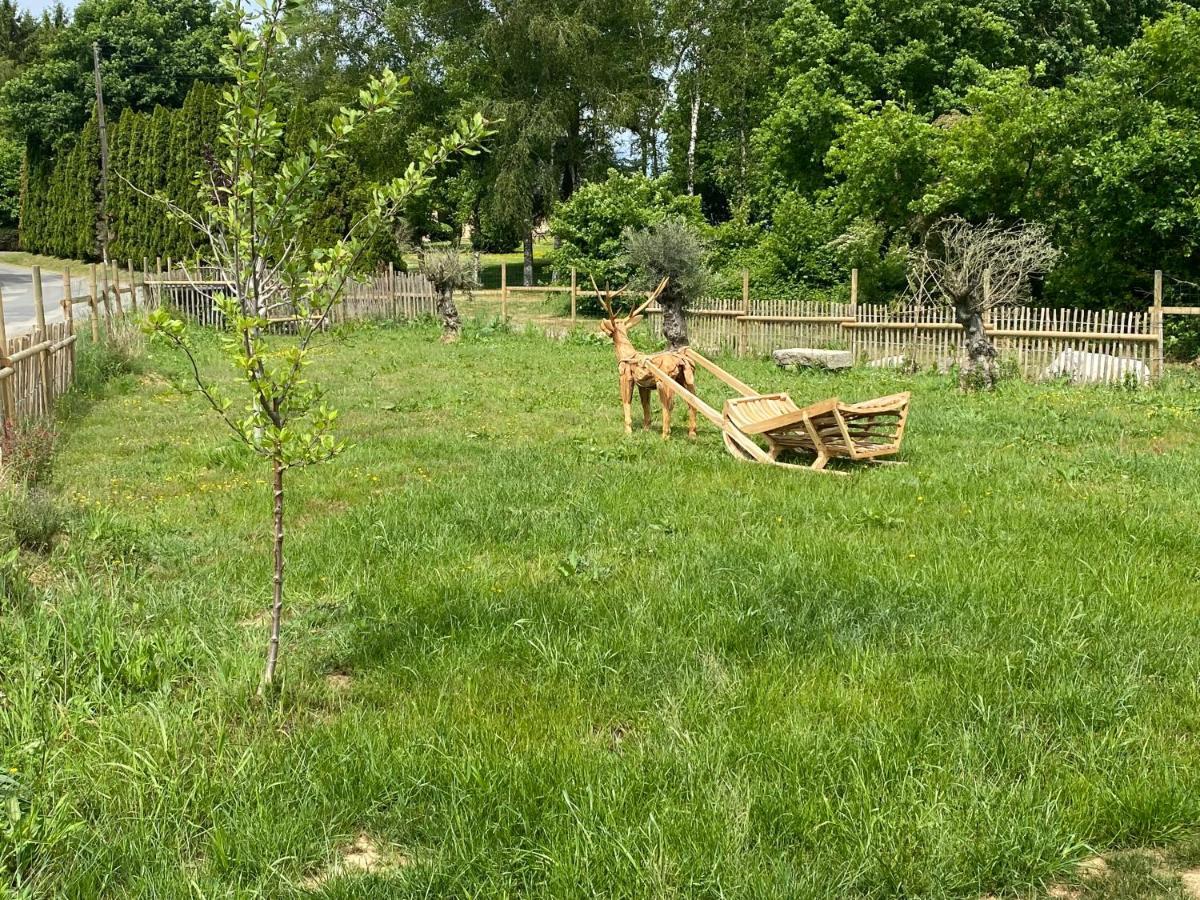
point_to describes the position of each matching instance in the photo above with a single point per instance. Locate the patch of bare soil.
(1191, 883)
(1099, 872)
(260, 619)
(339, 682)
(364, 856)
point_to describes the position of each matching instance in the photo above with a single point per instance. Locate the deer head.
(617, 327)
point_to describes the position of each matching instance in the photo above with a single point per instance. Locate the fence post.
(574, 293)
(391, 290)
(116, 287)
(853, 313)
(106, 297)
(1156, 326)
(69, 317)
(132, 285)
(94, 305)
(743, 322)
(6, 391)
(503, 291)
(42, 336)
(158, 277)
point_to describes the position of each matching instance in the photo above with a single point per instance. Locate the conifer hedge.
(159, 152)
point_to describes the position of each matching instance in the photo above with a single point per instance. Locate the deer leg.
(626, 401)
(666, 399)
(644, 393)
(689, 382)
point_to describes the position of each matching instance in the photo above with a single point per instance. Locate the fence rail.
(1032, 337)
(389, 295)
(37, 368)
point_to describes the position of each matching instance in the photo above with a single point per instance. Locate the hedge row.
(156, 152)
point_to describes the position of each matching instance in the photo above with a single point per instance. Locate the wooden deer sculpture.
(631, 365)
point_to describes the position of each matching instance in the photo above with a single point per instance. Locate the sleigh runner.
(829, 429)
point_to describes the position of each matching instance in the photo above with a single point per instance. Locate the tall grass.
(575, 664)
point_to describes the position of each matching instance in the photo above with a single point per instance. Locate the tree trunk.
(451, 323)
(692, 136)
(674, 325)
(980, 372)
(277, 598)
(529, 258)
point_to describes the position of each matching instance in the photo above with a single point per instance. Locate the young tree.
(674, 251)
(258, 201)
(448, 270)
(975, 268)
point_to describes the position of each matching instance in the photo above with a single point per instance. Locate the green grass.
(52, 263)
(490, 264)
(582, 664)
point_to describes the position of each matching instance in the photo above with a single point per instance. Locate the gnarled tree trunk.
(674, 325)
(451, 323)
(980, 372)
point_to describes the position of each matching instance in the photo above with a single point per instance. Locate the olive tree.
(448, 270)
(672, 250)
(973, 268)
(258, 201)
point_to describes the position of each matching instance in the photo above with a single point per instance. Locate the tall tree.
(152, 50)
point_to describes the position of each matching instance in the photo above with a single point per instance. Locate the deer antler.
(662, 285)
(603, 299)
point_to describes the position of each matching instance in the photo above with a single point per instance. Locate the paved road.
(16, 282)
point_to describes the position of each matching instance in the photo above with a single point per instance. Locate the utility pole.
(103, 230)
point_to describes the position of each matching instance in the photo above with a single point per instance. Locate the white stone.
(1095, 368)
(814, 359)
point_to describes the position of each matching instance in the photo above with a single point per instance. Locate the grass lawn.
(49, 263)
(527, 655)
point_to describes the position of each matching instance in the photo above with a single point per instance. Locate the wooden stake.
(69, 315)
(6, 391)
(94, 306)
(1156, 326)
(116, 288)
(503, 291)
(391, 288)
(854, 291)
(107, 300)
(132, 287)
(574, 293)
(43, 357)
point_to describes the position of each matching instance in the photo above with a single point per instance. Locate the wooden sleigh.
(829, 429)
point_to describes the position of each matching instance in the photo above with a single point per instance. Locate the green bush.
(96, 364)
(35, 519)
(16, 590)
(591, 226)
(27, 453)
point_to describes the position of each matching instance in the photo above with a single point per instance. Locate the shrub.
(27, 453)
(35, 519)
(16, 589)
(99, 363)
(591, 226)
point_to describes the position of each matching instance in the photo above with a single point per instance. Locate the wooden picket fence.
(923, 336)
(37, 368)
(191, 291)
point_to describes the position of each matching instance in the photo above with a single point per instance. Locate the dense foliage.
(149, 152)
(813, 135)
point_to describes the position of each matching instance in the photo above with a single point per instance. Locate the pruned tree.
(448, 270)
(973, 268)
(674, 251)
(259, 199)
